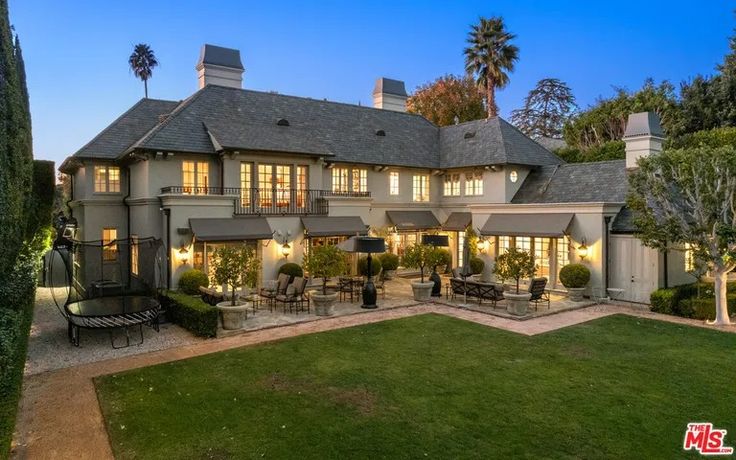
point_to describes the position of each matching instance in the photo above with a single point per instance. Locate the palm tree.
(142, 62)
(489, 57)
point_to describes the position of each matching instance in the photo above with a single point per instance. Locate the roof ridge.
(512, 126)
(110, 125)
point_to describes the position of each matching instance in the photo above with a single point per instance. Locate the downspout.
(666, 268)
(607, 220)
(71, 195)
(167, 244)
(127, 212)
(222, 174)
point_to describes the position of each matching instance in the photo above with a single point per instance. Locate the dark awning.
(413, 220)
(231, 229)
(458, 221)
(334, 226)
(552, 225)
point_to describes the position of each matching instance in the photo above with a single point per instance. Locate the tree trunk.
(491, 99)
(722, 318)
(145, 87)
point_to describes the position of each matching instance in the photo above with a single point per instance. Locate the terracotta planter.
(575, 294)
(422, 291)
(517, 304)
(232, 316)
(323, 304)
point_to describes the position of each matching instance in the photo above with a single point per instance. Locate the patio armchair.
(379, 282)
(537, 288)
(488, 291)
(282, 283)
(210, 296)
(294, 297)
(457, 286)
(346, 287)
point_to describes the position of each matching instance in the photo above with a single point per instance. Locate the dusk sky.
(76, 51)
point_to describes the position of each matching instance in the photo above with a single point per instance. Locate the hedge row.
(696, 300)
(16, 313)
(191, 313)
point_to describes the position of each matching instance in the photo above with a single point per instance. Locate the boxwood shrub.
(574, 276)
(663, 301)
(477, 265)
(376, 266)
(191, 280)
(291, 269)
(191, 313)
(389, 261)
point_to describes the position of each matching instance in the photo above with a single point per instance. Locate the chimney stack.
(219, 66)
(390, 95)
(643, 137)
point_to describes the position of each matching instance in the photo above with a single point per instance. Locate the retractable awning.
(231, 229)
(458, 221)
(550, 225)
(334, 226)
(413, 220)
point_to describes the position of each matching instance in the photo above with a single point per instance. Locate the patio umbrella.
(348, 245)
(465, 271)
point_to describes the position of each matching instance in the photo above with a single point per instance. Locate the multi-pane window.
(452, 185)
(340, 180)
(134, 254)
(689, 258)
(420, 190)
(109, 247)
(107, 179)
(504, 243)
(265, 185)
(474, 183)
(460, 248)
(195, 177)
(302, 181)
(360, 180)
(563, 254)
(523, 243)
(283, 185)
(541, 256)
(393, 183)
(246, 182)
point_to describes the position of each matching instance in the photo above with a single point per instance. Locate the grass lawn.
(431, 386)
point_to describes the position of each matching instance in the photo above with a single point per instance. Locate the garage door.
(633, 268)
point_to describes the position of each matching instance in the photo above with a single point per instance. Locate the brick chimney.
(643, 137)
(219, 66)
(390, 95)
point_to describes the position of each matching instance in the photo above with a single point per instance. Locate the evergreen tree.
(546, 109)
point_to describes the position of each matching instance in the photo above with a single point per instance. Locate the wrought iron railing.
(269, 201)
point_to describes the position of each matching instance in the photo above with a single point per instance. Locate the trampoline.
(110, 285)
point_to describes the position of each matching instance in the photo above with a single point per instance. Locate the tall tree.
(448, 99)
(546, 109)
(688, 196)
(490, 56)
(142, 62)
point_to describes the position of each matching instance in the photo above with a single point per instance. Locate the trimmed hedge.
(16, 313)
(695, 300)
(376, 266)
(191, 280)
(291, 269)
(191, 313)
(41, 200)
(574, 276)
(477, 265)
(389, 261)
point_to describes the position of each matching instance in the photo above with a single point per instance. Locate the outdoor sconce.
(285, 250)
(184, 255)
(583, 250)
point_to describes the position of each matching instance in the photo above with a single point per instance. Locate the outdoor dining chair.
(539, 292)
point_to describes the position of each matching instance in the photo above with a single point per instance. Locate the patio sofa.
(477, 290)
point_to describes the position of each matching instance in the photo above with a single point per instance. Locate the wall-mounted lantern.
(583, 250)
(285, 250)
(184, 255)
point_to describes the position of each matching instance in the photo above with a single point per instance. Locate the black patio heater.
(440, 241)
(369, 245)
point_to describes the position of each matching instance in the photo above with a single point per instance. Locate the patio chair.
(379, 282)
(294, 296)
(489, 291)
(457, 287)
(537, 288)
(282, 284)
(346, 287)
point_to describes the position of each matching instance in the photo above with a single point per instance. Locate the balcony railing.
(270, 201)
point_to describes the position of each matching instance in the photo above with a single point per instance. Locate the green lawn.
(433, 387)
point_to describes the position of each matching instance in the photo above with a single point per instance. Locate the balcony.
(270, 202)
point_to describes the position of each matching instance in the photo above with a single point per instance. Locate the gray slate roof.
(602, 181)
(624, 221)
(491, 141)
(127, 129)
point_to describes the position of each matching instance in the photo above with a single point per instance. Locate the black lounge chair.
(281, 285)
(537, 288)
(295, 298)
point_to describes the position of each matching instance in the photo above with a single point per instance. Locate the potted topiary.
(235, 267)
(476, 265)
(376, 266)
(324, 262)
(191, 280)
(389, 262)
(516, 265)
(291, 269)
(421, 256)
(574, 277)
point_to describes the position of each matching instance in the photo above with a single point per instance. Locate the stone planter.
(323, 304)
(517, 304)
(232, 316)
(389, 274)
(575, 294)
(422, 291)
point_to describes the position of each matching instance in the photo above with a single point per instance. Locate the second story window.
(283, 185)
(265, 185)
(107, 179)
(302, 184)
(246, 183)
(393, 183)
(420, 190)
(109, 246)
(195, 177)
(340, 180)
(474, 183)
(452, 185)
(360, 180)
